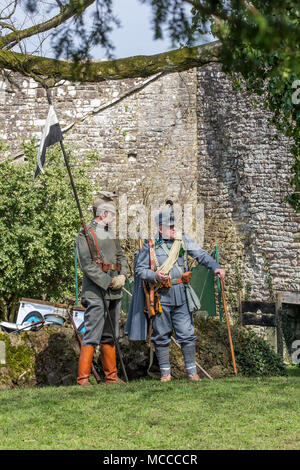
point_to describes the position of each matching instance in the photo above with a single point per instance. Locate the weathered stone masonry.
(243, 176)
(187, 136)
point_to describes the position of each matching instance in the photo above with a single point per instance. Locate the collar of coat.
(159, 241)
(98, 225)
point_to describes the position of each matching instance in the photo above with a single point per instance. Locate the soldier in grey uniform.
(103, 277)
(175, 312)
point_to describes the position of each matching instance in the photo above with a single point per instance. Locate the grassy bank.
(232, 413)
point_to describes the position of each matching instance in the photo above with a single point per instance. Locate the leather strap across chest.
(104, 265)
(152, 267)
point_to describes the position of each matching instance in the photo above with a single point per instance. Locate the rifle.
(152, 302)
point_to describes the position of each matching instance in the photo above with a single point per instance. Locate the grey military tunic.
(174, 295)
(173, 300)
(96, 284)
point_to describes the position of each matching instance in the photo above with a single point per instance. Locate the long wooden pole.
(228, 327)
(89, 245)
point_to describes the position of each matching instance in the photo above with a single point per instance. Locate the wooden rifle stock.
(149, 306)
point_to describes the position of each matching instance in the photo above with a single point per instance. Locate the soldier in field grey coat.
(103, 278)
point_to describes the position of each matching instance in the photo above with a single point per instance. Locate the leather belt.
(176, 281)
(185, 279)
(170, 283)
(108, 267)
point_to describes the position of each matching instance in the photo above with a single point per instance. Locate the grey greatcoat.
(96, 283)
(171, 298)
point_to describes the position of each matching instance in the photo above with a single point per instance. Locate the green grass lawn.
(232, 413)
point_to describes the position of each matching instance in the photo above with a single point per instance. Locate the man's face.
(167, 232)
(107, 217)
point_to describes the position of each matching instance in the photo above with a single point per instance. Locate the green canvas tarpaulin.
(203, 284)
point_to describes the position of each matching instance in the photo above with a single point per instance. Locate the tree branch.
(66, 13)
(11, 13)
(7, 26)
(60, 4)
(51, 71)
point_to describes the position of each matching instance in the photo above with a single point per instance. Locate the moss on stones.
(19, 359)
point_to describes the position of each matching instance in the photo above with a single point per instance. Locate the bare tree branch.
(67, 12)
(60, 5)
(11, 13)
(7, 26)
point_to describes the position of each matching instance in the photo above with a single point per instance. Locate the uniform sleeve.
(143, 264)
(199, 254)
(88, 266)
(122, 259)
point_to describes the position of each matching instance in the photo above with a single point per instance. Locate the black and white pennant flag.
(51, 134)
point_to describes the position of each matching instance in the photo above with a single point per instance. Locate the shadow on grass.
(293, 371)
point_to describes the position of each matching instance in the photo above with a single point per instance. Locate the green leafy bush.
(255, 357)
(38, 222)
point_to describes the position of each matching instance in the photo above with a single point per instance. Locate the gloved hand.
(118, 282)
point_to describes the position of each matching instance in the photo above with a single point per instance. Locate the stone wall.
(243, 173)
(147, 141)
(189, 137)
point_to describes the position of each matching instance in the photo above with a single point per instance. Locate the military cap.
(165, 218)
(104, 202)
(108, 195)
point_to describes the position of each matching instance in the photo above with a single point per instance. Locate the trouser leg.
(161, 336)
(183, 324)
(94, 320)
(98, 330)
(114, 309)
(163, 357)
(179, 318)
(189, 354)
(108, 348)
(184, 334)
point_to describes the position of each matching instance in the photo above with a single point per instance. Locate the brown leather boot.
(194, 377)
(85, 364)
(108, 358)
(166, 378)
